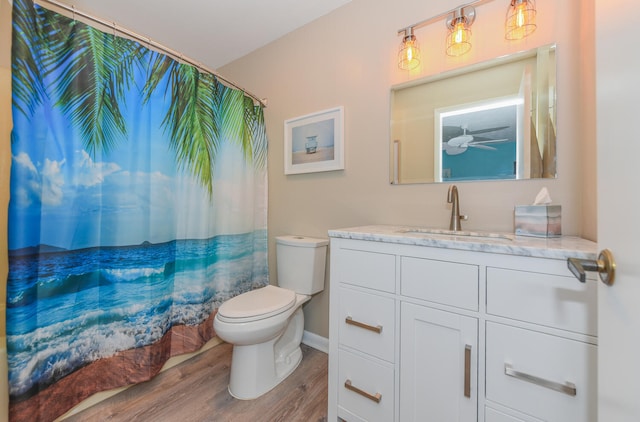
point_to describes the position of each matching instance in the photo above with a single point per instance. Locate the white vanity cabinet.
(428, 330)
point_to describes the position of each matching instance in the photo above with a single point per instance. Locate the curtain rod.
(148, 41)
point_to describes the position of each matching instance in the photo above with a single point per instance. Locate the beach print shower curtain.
(137, 206)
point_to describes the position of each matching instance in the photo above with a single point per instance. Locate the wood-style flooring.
(196, 391)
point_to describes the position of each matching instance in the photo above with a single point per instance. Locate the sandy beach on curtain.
(127, 367)
(322, 154)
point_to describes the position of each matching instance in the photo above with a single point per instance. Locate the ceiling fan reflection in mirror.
(457, 139)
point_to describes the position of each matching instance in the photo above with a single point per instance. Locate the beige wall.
(348, 58)
(587, 121)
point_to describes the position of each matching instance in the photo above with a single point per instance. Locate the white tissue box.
(538, 220)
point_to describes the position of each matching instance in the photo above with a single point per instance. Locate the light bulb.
(409, 53)
(459, 33)
(521, 14)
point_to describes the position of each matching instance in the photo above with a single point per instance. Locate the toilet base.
(288, 365)
(258, 368)
(242, 391)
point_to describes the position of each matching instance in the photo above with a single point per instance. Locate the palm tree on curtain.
(94, 71)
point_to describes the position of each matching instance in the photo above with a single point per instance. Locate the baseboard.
(315, 341)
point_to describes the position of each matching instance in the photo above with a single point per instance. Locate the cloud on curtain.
(138, 205)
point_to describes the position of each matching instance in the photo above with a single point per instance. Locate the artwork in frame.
(479, 140)
(315, 142)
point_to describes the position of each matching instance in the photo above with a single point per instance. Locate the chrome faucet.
(452, 198)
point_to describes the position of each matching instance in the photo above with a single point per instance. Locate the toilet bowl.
(266, 325)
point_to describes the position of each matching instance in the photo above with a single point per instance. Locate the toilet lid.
(263, 302)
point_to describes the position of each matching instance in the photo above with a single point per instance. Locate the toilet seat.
(257, 304)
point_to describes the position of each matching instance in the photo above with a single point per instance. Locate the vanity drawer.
(550, 300)
(525, 369)
(368, 269)
(447, 283)
(367, 323)
(368, 379)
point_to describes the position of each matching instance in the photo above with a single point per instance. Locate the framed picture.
(481, 140)
(314, 142)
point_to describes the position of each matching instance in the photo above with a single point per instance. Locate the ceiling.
(213, 32)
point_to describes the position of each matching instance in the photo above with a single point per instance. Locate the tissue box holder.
(538, 220)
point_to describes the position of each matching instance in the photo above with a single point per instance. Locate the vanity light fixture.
(409, 54)
(520, 22)
(521, 19)
(459, 34)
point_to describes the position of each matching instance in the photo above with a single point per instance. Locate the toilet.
(265, 325)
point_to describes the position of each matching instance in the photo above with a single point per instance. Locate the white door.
(618, 142)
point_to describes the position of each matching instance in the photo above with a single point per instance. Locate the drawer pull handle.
(568, 388)
(373, 397)
(467, 370)
(351, 321)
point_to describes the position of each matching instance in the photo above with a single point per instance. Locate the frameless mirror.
(493, 120)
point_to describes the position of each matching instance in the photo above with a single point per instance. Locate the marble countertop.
(505, 243)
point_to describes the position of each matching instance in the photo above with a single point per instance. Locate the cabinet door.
(438, 365)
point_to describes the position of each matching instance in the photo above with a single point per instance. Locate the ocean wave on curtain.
(138, 205)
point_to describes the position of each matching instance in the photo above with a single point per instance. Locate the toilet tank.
(300, 262)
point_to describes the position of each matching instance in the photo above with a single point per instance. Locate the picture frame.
(314, 142)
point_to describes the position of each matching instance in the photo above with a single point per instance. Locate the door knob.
(605, 266)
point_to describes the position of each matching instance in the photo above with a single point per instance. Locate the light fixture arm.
(441, 16)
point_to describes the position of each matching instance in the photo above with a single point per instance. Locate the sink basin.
(453, 233)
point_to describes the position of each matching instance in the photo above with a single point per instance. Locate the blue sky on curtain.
(138, 205)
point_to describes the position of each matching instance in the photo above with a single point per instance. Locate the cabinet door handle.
(467, 370)
(373, 397)
(351, 321)
(568, 388)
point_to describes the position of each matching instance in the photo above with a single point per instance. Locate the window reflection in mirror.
(494, 120)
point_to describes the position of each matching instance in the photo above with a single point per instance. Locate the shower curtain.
(138, 205)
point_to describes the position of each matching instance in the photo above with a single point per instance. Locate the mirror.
(493, 120)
